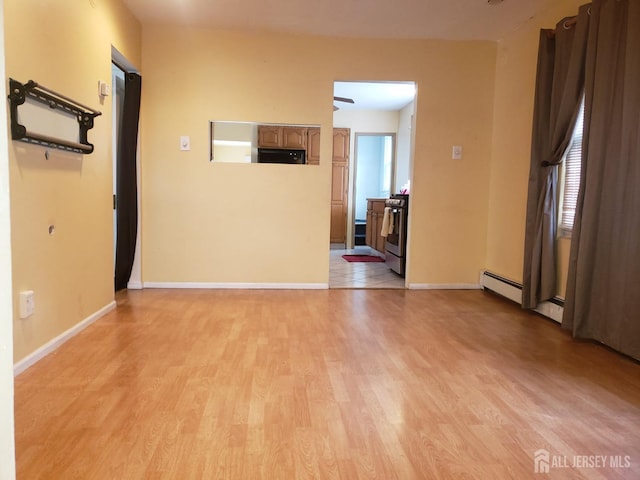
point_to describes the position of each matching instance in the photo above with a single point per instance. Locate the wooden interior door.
(339, 185)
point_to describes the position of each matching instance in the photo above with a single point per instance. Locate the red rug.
(362, 258)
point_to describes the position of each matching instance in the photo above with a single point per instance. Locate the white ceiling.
(374, 95)
(442, 19)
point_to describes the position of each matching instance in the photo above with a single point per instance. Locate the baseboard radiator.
(504, 287)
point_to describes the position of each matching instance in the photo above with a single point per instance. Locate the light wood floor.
(336, 384)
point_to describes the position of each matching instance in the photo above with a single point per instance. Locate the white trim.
(513, 293)
(7, 432)
(122, 61)
(134, 285)
(52, 345)
(502, 288)
(444, 286)
(239, 286)
(551, 310)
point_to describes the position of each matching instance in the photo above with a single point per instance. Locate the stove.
(396, 244)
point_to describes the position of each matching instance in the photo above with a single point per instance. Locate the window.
(571, 177)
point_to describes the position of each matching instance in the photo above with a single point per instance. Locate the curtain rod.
(551, 32)
(571, 22)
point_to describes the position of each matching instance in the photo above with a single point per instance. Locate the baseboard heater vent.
(552, 309)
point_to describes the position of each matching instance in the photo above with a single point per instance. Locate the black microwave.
(281, 155)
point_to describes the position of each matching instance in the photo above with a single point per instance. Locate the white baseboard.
(505, 287)
(52, 345)
(239, 286)
(513, 291)
(134, 286)
(444, 286)
(551, 310)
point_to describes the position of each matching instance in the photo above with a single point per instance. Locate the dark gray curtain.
(127, 189)
(559, 88)
(603, 288)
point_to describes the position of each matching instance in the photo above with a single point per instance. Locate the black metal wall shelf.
(84, 115)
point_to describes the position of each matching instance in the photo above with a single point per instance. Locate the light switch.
(456, 153)
(185, 143)
(104, 89)
(27, 304)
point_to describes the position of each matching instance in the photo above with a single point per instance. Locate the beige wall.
(448, 211)
(513, 113)
(64, 45)
(222, 223)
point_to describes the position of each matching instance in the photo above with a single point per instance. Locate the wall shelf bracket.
(20, 93)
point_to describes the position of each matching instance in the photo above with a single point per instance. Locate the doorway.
(380, 116)
(126, 89)
(373, 178)
(117, 82)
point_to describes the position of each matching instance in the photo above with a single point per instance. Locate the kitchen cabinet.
(281, 136)
(313, 146)
(339, 185)
(341, 137)
(375, 215)
(294, 137)
(269, 136)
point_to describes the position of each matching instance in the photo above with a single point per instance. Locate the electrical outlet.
(27, 304)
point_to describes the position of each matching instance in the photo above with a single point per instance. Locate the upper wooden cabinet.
(341, 145)
(313, 146)
(339, 185)
(278, 136)
(269, 136)
(294, 137)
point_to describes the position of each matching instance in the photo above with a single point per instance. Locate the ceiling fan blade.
(344, 99)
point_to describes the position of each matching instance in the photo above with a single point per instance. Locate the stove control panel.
(395, 202)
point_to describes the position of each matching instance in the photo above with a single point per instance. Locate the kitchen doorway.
(380, 117)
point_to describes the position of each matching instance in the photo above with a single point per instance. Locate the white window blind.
(571, 181)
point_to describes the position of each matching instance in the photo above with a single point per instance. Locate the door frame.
(352, 240)
(135, 280)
